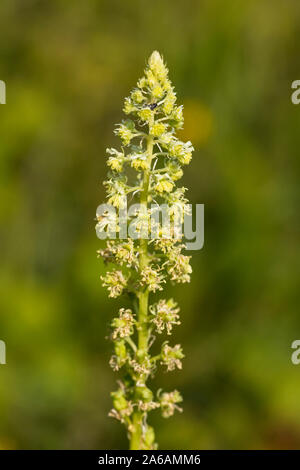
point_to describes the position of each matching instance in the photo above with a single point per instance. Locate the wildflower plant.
(146, 168)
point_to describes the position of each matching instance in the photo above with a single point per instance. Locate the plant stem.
(143, 333)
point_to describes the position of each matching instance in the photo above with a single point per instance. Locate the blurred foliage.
(67, 67)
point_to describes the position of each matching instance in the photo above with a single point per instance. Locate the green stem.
(143, 333)
(131, 343)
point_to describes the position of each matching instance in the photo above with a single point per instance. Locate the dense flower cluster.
(147, 167)
(115, 281)
(171, 357)
(123, 324)
(168, 403)
(165, 315)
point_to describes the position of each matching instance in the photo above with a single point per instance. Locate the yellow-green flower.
(169, 102)
(139, 164)
(164, 185)
(115, 164)
(137, 96)
(126, 131)
(142, 83)
(157, 129)
(185, 158)
(145, 114)
(117, 200)
(129, 107)
(116, 160)
(157, 92)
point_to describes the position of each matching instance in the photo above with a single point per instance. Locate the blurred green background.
(67, 67)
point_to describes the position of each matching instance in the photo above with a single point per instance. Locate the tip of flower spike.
(155, 57)
(157, 66)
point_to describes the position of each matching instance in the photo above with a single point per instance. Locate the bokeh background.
(67, 67)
